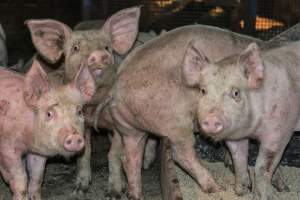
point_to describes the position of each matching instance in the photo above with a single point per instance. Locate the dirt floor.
(225, 178)
(212, 155)
(60, 177)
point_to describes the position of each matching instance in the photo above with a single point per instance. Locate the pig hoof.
(130, 197)
(280, 186)
(268, 194)
(213, 188)
(241, 189)
(112, 195)
(82, 185)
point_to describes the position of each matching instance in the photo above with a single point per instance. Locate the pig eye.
(203, 91)
(106, 48)
(75, 48)
(50, 114)
(235, 93)
(79, 112)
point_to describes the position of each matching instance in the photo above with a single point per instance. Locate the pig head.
(39, 118)
(53, 40)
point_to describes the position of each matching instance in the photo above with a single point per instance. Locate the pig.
(100, 47)
(149, 96)
(251, 94)
(38, 120)
(3, 50)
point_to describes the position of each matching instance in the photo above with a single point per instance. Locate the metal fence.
(259, 18)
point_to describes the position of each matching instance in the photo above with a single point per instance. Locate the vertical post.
(86, 9)
(250, 17)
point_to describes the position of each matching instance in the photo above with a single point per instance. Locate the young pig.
(248, 95)
(37, 117)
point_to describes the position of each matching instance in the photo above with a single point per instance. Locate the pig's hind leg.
(35, 167)
(133, 147)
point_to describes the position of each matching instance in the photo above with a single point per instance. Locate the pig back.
(13, 110)
(149, 80)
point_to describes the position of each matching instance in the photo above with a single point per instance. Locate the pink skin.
(245, 96)
(43, 114)
(150, 96)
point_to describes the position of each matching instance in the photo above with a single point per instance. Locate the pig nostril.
(218, 124)
(68, 142)
(205, 123)
(105, 59)
(92, 60)
(79, 141)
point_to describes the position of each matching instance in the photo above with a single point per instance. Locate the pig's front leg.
(36, 167)
(185, 156)
(239, 153)
(116, 176)
(84, 178)
(14, 173)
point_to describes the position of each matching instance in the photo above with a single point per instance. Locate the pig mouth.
(97, 72)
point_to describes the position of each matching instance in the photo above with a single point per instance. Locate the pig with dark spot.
(150, 96)
(100, 47)
(253, 94)
(38, 120)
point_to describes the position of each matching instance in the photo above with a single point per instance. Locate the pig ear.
(36, 84)
(85, 82)
(193, 62)
(49, 37)
(252, 65)
(123, 29)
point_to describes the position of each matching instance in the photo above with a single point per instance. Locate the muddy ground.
(60, 177)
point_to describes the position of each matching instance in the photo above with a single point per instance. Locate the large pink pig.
(39, 119)
(253, 94)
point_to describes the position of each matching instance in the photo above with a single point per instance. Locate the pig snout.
(98, 58)
(212, 123)
(72, 141)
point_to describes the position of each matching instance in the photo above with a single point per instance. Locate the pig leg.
(185, 155)
(267, 160)
(278, 181)
(150, 152)
(83, 178)
(239, 153)
(14, 173)
(228, 160)
(134, 144)
(116, 176)
(35, 167)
